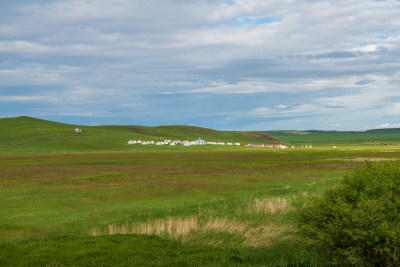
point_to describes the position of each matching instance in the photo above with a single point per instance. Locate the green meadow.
(31, 135)
(371, 137)
(158, 206)
(232, 207)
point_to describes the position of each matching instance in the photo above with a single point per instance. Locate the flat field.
(164, 207)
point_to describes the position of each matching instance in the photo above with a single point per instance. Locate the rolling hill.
(27, 134)
(376, 136)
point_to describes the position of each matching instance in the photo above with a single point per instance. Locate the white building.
(200, 142)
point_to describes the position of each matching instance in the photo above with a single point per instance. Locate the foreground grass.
(226, 207)
(129, 250)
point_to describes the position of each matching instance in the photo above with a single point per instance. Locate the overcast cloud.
(227, 65)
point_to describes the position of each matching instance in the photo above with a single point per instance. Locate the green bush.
(356, 222)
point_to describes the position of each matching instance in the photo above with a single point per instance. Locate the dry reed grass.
(173, 227)
(270, 205)
(266, 235)
(191, 228)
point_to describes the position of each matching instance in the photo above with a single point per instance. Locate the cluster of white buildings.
(223, 144)
(159, 143)
(179, 142)
(200, 142)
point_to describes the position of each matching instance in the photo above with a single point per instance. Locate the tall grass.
(191, 228)
(208, 228)
(173, 227)
(270, 205)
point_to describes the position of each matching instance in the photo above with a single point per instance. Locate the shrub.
(357, 222)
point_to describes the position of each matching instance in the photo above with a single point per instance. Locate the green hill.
(377, 136)
(27, 134)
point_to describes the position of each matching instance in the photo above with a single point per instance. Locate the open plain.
(168, 207)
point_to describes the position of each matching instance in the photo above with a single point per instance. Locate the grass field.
(92, 200)
(372, 137)
(171, 207)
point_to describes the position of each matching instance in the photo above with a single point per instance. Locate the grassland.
(31, 135)
(227, 207)
(372, 137)
(92, 200)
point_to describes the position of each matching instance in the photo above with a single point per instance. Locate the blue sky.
(226, 65)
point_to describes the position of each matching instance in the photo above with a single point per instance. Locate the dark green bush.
(356, 222)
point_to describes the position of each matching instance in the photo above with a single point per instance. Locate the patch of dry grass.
(173, 227)
(266, 235)
(193, 228)
(270, 205)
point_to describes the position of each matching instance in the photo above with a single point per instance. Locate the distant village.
(199, 142)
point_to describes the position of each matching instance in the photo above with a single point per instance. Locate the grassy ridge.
(26, 134)
(334, 137)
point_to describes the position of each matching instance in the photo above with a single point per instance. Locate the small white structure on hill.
(78, 130)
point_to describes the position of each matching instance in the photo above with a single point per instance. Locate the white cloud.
(37, 74)
(262, 111)
(26, 98)
(22, 47)
(388, 125)
(281, 106)
(299, 110)
(391, 109)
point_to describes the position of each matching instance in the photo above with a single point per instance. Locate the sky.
(221, 64)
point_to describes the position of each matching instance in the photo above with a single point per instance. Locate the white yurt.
(199, 142)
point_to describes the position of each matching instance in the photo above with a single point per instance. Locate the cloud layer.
(243, 65)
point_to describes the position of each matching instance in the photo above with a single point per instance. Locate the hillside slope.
(377, 136)
(27, 134)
